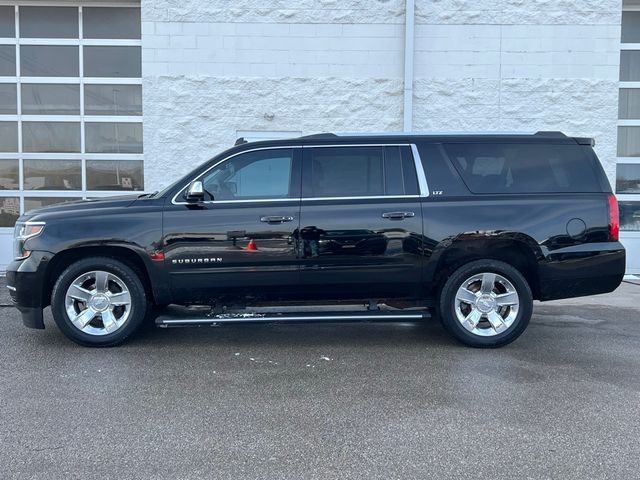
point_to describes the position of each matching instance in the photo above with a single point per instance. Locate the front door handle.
(398, 215)
(276, 219)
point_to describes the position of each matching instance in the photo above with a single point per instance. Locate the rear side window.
(359, 172)
(524, 168)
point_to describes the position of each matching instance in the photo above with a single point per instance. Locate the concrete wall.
(337, 65)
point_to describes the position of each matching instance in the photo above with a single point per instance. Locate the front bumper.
(26, 280)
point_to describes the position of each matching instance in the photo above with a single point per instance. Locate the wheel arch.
(60, 261)
(517, 250)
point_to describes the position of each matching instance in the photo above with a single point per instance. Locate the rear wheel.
(486, 303)
(99, 302)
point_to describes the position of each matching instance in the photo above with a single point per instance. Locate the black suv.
(469, 228)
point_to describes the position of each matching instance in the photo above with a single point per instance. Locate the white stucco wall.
(337, 65)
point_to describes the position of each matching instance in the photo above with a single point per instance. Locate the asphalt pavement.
(328, 401)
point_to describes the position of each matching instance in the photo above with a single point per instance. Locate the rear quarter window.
(524, 168)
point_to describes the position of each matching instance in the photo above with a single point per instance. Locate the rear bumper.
(582, 270)
(26, 283)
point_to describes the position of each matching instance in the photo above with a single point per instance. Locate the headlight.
(21, 233)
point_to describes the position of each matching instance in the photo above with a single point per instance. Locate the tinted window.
(399, 172)
(253, 175)
(346, 172)
(523, 168)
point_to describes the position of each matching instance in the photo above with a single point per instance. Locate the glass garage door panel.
(8, 99)
(106, 137)
(51, 137)
(112, 62)
(114, 175)
(49, 61)
(8, 136)
(7, 61)
(7, 22)
(630, 216)
(9, 211)
(113, 99)
(48, 22)
(54, 99)
(52, 175)
(109, 22)
(9, 172)
(628, 178)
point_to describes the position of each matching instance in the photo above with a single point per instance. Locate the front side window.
(255, 175)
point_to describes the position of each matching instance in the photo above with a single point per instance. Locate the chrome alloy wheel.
(487, 304)
(98, 303)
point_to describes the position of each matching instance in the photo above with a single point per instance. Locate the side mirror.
(195, 192)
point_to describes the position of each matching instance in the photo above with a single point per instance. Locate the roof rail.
(320, 136)
(551, 134)
(585, 141)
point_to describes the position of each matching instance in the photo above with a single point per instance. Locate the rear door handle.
(398, 215)
(276, 219)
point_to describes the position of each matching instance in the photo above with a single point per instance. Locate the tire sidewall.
(139, 303)
(447, 303)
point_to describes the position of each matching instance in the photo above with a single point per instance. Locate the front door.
(240, 239)
(361, 222)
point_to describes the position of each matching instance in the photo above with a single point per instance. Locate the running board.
(177, 316)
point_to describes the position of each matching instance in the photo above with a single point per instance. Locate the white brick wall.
(211, 69)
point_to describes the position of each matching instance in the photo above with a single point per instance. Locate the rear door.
(360, 223)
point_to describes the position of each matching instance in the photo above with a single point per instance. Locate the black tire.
(447, 304)
(139, 305)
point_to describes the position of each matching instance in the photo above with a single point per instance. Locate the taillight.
(614, 217)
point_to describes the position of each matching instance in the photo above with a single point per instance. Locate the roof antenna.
(240, 141)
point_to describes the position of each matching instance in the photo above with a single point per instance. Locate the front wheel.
(99, 302)
(486, 303)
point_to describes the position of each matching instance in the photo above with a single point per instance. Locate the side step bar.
(177, 316)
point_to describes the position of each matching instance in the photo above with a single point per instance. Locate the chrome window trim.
(422, 180)
(422, 177)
